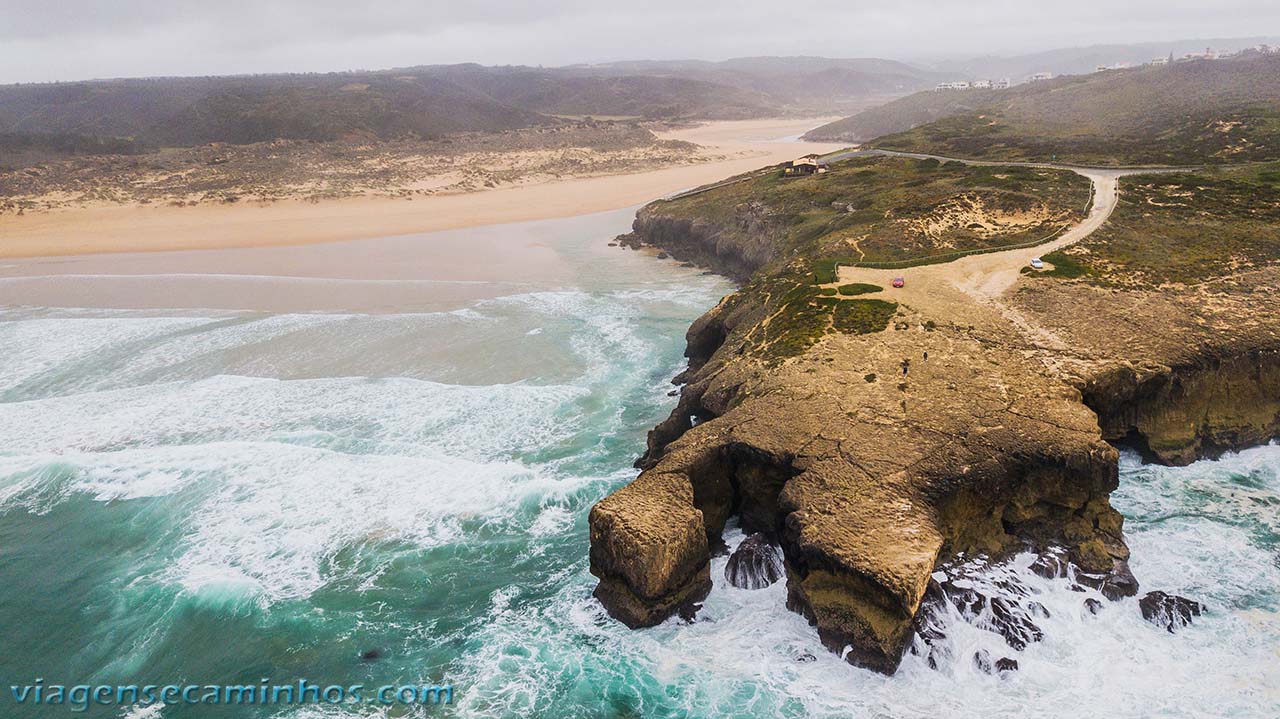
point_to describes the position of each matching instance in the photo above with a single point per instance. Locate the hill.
(428, 102)
(1203, 111)
(424, 102)
(800, 84)
(1083, 60)
(563, 91)
(192, 111)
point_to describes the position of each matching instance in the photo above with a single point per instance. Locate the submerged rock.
(1050, 566)
(1037, 609)
(1092, 605)
(755, 564)
(1013, 623)
(1169, 610)
(929, 627)
(1004, 616)
(982, 661)
(1114, 585)
(1106, 573)
(689, 612)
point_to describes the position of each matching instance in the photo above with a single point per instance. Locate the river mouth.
(226, 495)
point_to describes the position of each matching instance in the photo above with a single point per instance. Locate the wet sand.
(430, 272)
(746, 144)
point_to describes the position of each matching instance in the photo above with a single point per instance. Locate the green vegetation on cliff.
(858, 288)
(803, 314)
(890, 210)
(790, 234)
(1183, 228)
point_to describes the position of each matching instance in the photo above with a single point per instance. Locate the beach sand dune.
(744, 145)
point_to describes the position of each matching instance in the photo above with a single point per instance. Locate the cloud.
(42, 40)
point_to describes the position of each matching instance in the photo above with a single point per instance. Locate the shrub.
(1065, 266)
(858, 288)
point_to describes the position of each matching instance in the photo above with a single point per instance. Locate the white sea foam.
(279, 480)
(269, 479)
(390, 415)
(265, 517)
(747, 656)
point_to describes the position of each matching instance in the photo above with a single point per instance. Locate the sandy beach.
(743, 145)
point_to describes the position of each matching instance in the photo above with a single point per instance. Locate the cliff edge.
(875, 432)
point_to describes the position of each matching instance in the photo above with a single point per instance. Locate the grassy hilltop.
(1182, 229)
(866, 210)
(891, 210)
(1196, 112)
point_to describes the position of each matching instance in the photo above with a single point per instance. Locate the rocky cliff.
(875, 440)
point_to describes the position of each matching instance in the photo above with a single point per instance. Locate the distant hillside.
(564, 91)
(1083, 60)
(906, 113)
(1186, 113)
(814, 84)
(190, 111)
(424, 102)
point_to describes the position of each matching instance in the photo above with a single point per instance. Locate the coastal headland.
(877, 433)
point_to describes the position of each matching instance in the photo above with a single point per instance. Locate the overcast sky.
(44, 40)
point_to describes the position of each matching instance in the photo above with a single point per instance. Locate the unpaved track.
(969, 290)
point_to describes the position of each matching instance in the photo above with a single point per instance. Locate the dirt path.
(969, 290)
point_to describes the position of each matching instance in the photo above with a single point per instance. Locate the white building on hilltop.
(1208, 54)
(975, 85)
(1039, 76)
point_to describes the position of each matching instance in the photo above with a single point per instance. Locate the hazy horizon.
(132, 38)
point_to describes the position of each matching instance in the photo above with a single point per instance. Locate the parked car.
(1037, 263)
(899, 282)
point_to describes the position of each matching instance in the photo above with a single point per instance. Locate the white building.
(974, 85)
(1159, 61)
(1208, 54)
(1041, 76)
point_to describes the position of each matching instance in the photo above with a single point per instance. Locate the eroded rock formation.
(873, 457)
(755, 564)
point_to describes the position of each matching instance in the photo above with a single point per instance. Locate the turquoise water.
(226, 497)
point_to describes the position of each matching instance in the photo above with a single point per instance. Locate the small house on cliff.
(807, 165)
